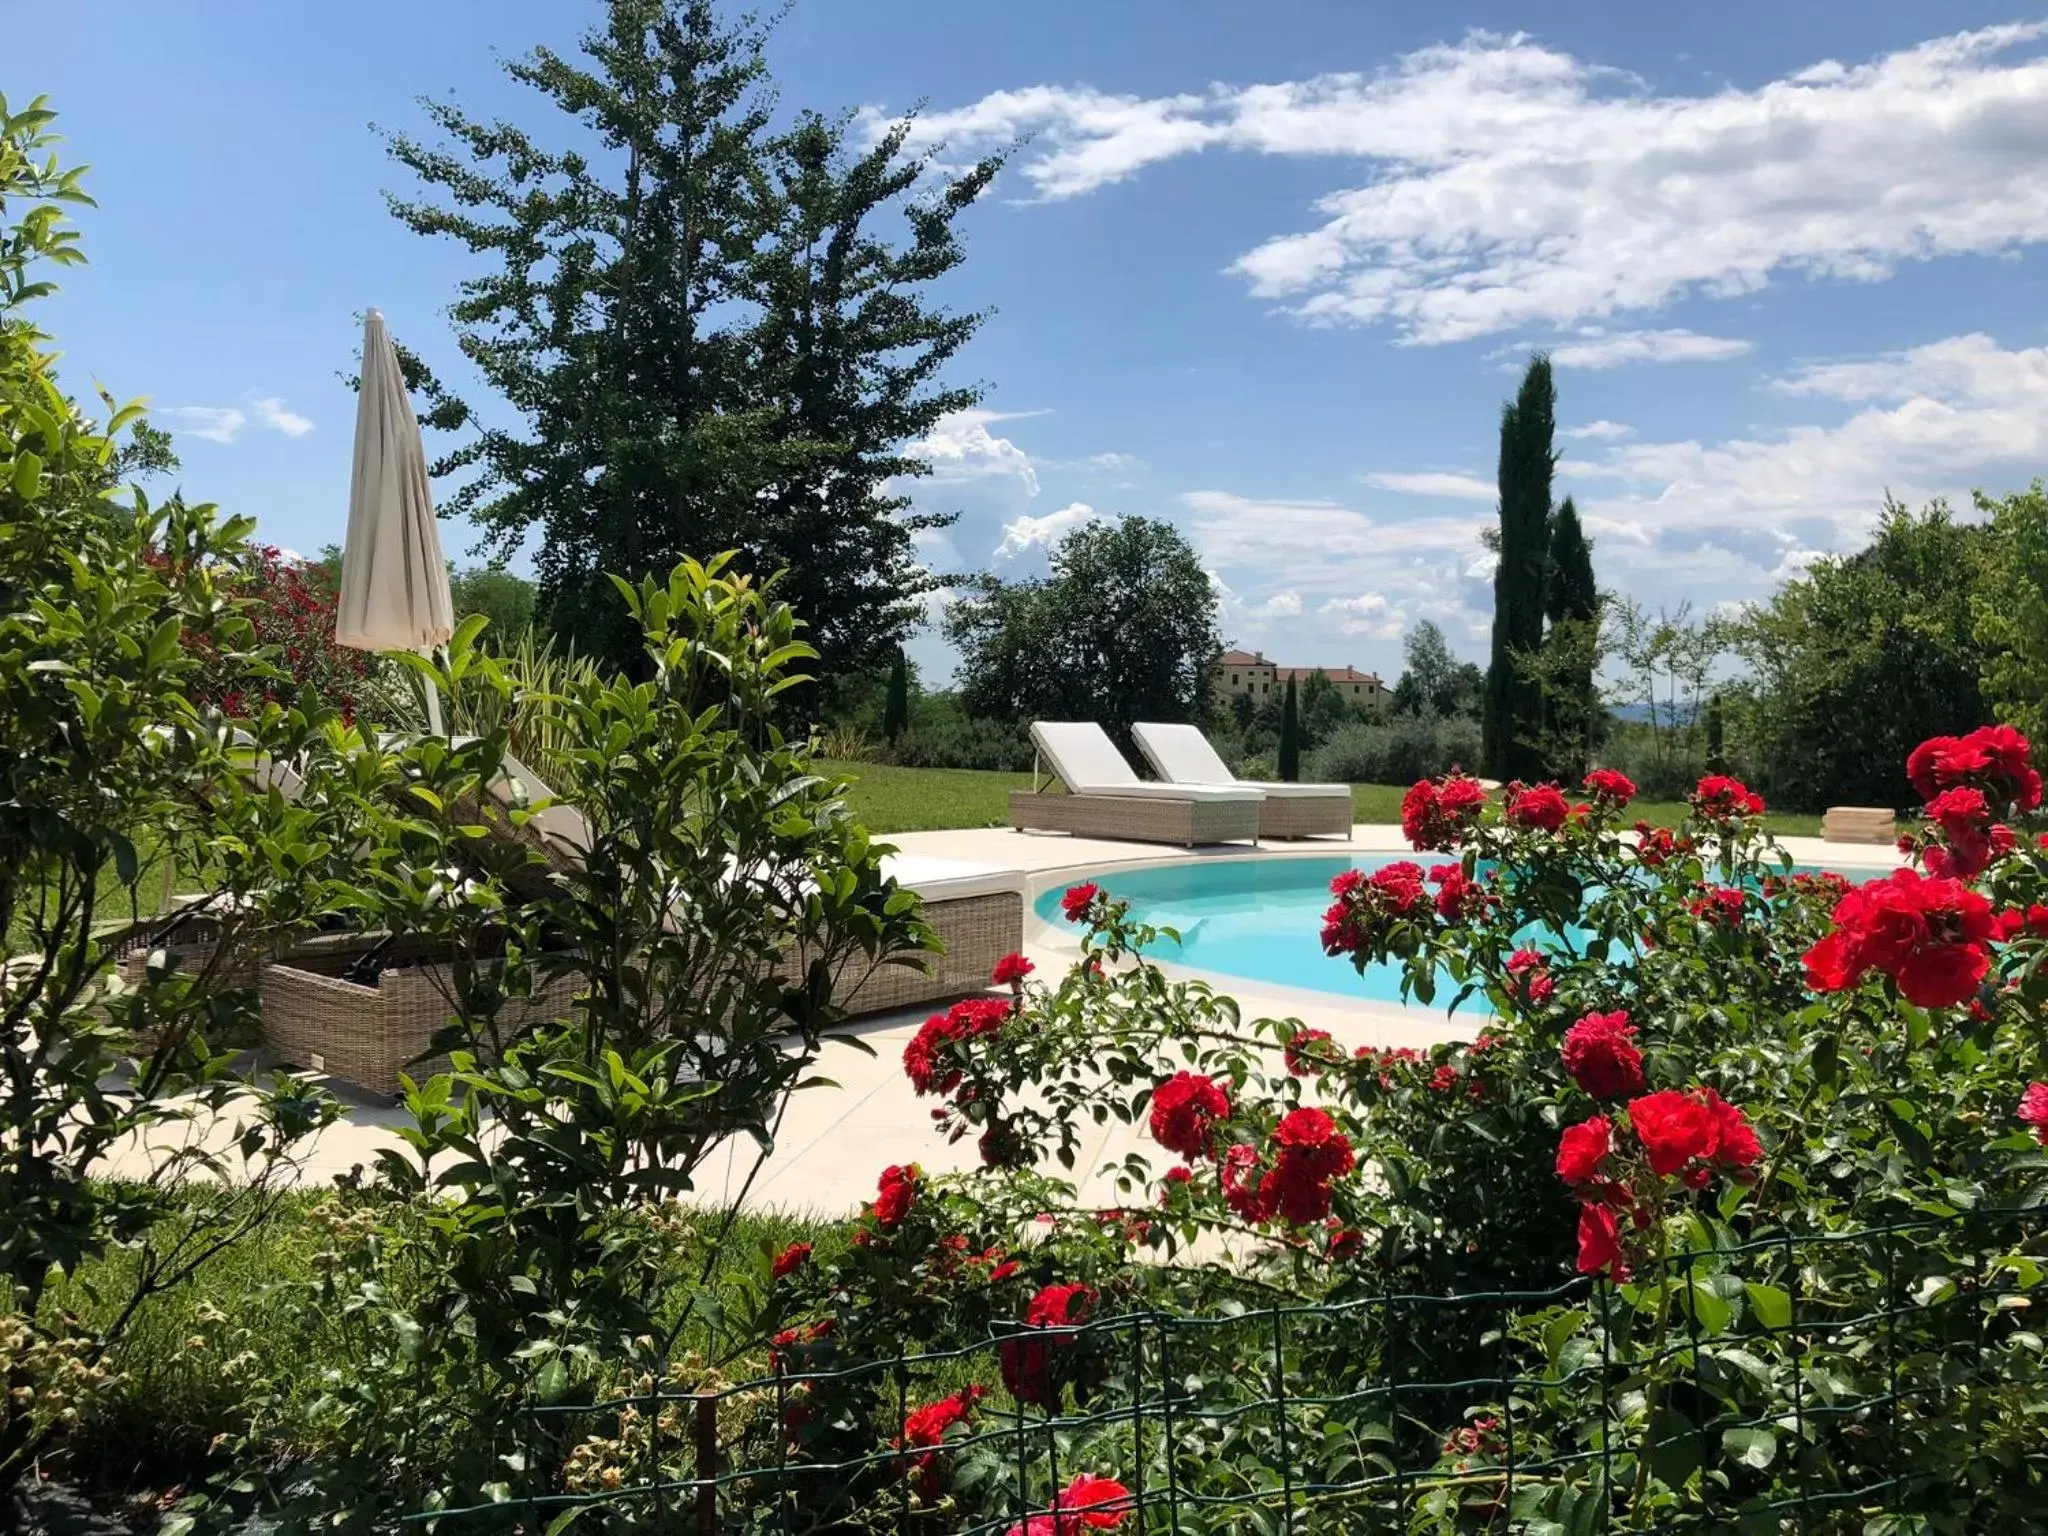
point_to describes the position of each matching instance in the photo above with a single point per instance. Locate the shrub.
(1783, 1132)
(943, 735)
(106, 603)
(1398, 750)
(712, 899)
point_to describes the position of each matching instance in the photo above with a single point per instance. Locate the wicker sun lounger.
(1182, 754)
(1104, 798)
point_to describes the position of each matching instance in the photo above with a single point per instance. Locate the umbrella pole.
(433, 706)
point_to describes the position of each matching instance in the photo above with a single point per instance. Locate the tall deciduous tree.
(1123, 630)
(702, 340)
(2009, 611)
(1514, 703)
(1862, 659)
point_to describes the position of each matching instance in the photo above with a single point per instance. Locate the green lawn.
(923, 799)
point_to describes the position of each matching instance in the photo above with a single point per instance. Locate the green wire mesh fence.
(1822, 1382)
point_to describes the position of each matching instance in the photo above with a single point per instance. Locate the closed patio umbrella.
(394, 581)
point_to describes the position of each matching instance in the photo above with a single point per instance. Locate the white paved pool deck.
(833, 1142)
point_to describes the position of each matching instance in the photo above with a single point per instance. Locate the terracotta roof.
(1242, 659)
(1334, 674)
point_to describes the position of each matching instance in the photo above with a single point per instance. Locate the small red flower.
(1436, 816)
(1310, 1053)
(791, 1259)
(1078, 899)
(1674, 1129)
(2034, 1110)
(896, 1193)
(1600, 1053)
(1526, 972)
(1029, 1365)
(1717, 797)
(1185, 1111)
(1612, 788)
(1600, 1242)
(1537, 807)
(1312, 1152)
(1011, 970)
(1582, 1149)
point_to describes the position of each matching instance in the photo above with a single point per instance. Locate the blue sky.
(1264, 270)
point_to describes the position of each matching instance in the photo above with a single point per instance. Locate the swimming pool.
(1260, 920)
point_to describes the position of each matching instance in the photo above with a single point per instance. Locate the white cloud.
(271, 412)
(961, 447)
(1281, 605)
(215, 423)
(1461, 487)
(1734, 518)
(1114, 463)
(1599, 431)
(1611, 349)
(1506, 183)
(1025, 533)
(1368, 614)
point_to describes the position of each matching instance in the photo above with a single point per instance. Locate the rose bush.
(1730, 1140)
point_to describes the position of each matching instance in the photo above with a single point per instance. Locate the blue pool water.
(1259, 919)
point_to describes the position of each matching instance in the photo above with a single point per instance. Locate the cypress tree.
(896, 708)
(1514, 702)
(1290, 737)
(1717, 757)
(1571, 597)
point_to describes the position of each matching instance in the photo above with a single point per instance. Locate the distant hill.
(1672, 714)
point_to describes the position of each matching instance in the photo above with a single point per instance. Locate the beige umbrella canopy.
(394, 581)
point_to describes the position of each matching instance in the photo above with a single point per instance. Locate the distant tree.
(2009, 610)
(1324, 710)
(698, 337)
(1863, 658)
(1433, 681)
(1571, 699)
(506, 600)
(1244, 711)
(1290, 737)
(1123, 629)
(1514, 705)
(896, 710)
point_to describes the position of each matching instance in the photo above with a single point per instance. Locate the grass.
(889, 799)
(177, 1390)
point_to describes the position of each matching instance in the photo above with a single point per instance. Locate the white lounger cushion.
(951, 879)
(1088, 763)
(1182, 753)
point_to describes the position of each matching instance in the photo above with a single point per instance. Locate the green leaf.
(1753, 1447)
(28, 472)
(1771, 1304)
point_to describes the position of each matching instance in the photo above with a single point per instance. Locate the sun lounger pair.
(1196, 799)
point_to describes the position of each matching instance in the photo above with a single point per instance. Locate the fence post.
(707, 1464)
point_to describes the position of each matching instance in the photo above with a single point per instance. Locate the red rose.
(1930, 935)
(896, 1193)
(1600, 1243)
(2034, 1110)
(1101, 1502)
(1720, 798)
(1735, 1145)
(1078, 899)
(1960, 811)
(925, 1428)
(1674, 1129)
(791, 1259)
(1721, 905)
(1538, 807)
(1185, 1110)
(1658, 846)
(1456, 896)
(1611, 787)
(1011, 970)
(1029, 1364)
(1526, 972)
(1242, 1190)
(1306, 1054)
(1343, 1243)
(1437, 816)
(1582, 1149)
(1312, 1152)
(1600, 1054)
(2015, 924)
